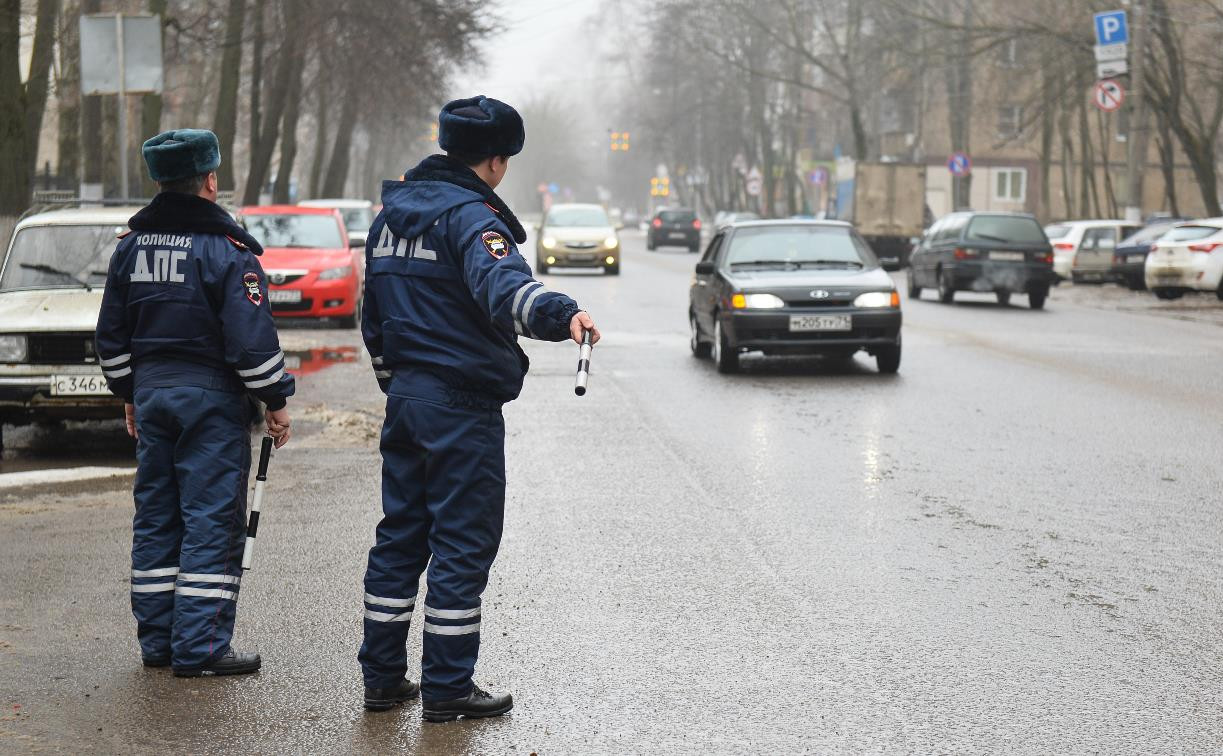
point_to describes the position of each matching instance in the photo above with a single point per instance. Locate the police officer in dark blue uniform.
(447, 294)
(184, 337)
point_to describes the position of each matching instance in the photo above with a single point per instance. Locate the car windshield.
(357, 219)
(790, 246)
(677, 216)
(578, 216)
(306, 231)
(51, 257)
(1005, 228)
(1057, 231)
(1189, 233)
(1146, 235)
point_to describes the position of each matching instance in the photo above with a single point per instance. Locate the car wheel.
(1219, 291)
(946, 289)
(914, 289)
(649, 243)
(541, 268)
(887, 358)
(724, 354)
(1036, 299)
(694, 248)
(1169, 293)
(1004, 297)
(354, 320)
(611, 270)
(1136, 284)
(700, 349)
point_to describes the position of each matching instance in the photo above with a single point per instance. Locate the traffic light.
(433, 132)
(660, 187)
(619, 141)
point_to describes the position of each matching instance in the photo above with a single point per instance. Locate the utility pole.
(1136, 140)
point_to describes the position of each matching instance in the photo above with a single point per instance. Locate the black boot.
(381, 699)
(155, 661)
(477, 703)
(232, 662)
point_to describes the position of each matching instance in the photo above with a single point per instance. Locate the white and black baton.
(252, 526)
(579, 387)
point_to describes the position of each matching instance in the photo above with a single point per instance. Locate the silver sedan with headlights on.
(577, 236)
(792, 287)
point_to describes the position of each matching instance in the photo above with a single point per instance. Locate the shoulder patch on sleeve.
(495, 243)
(235, 242)
(252, 287)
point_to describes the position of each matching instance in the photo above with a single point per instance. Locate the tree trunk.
(320, 146)
(256, 109)
(226, 122)
(91, 119)
(337, 169)
(150, 112)
(959, 100)
(1167, 163)
(261, 158)
(38, 83)
(68, 94)
(288, 134)
(15, 188)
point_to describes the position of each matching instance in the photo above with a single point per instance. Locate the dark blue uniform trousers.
(443, 501)
(192, 462)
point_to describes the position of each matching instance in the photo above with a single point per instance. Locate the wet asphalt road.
(1012, 546)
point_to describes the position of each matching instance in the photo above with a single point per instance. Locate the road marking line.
(64, 475)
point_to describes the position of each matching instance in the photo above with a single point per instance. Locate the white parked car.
(1083, 249)
(51, 283)
(1187, 258)
(358, 215)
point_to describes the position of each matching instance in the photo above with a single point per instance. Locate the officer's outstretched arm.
(113, 337)
(502, 284)
(251, 344)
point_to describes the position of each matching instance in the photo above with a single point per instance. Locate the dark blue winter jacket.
(446, 289)
(186, 305)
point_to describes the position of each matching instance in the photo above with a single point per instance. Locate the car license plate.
(284, 296)
(1006, 256)
(79, 385)
(676, 235)
(821, 323)
(583, 257)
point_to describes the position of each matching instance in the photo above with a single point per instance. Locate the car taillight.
(1153, 247)
(965, 254)
(697, 224)
(1064, 246)
(1046, 257)
(657, 223)
(1206, 247)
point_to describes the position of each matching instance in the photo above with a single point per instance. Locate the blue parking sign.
(1111, 28)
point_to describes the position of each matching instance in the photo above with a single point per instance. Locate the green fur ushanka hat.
(480, 126)
(181, 153)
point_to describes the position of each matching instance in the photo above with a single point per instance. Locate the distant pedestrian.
(447, 294)
(184, 335)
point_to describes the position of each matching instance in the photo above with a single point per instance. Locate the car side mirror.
(705, 268)
(356, 243)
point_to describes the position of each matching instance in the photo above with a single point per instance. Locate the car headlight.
(757, 302)
(878, 299)
(12, 348)
(611, 242)
(549, 242)
(344, 271)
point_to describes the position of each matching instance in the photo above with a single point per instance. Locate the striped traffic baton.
(252, 526)
(579, 387)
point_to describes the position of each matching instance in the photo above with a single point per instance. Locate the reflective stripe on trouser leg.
(157, 528)
(212, 464)
(467, 502)
(399, 554)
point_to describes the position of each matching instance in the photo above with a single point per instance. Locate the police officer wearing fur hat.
(447, 295)
(185, 336)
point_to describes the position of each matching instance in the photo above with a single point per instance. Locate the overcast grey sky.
(536, 52)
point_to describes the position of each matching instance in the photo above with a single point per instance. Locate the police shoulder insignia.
(495, 243)
(254, 293)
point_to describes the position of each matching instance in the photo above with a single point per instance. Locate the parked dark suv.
(1000, 252)
(674, 227)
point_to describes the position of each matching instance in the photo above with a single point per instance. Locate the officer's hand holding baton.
(585, 334)
(278, 425)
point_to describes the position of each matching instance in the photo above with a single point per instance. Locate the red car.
(312, 271)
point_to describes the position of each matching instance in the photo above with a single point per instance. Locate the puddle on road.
(307, 361)
(67, 444)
